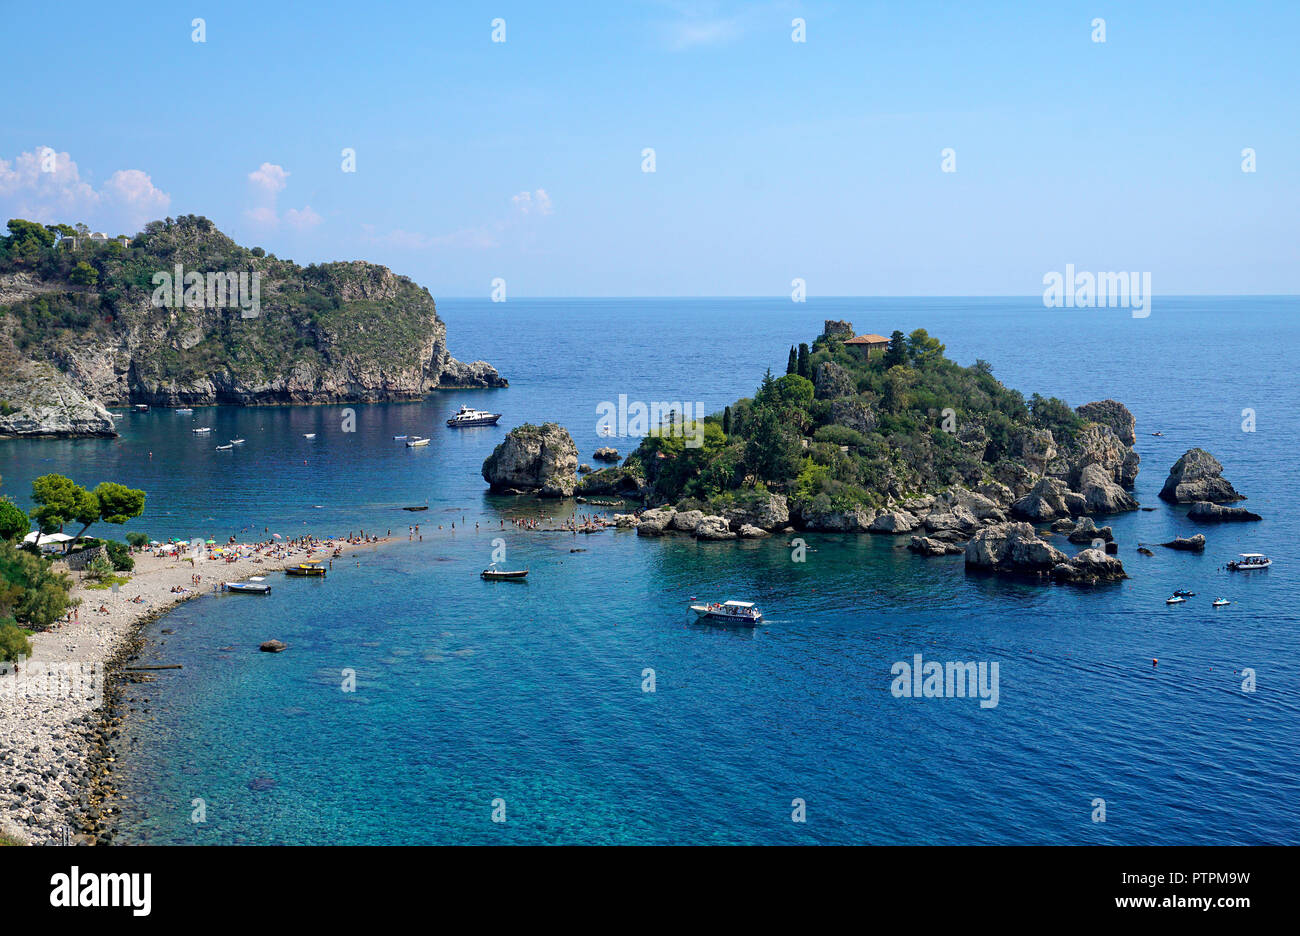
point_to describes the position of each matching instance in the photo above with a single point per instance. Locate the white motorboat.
(184, 410)
(1176, 599)
(1221, 602)
(202, 429)
(236, 441)
(730, 612)
(224, 448)
(1250, 561)
(400, 438)
(473, 417)
(309, 435)
(417, 442)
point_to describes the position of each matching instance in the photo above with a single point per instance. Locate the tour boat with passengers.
(730, 612)
(1250, 561)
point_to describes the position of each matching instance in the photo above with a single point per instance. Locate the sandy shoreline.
(57, 719)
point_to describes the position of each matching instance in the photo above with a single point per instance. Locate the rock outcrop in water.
(534, 459)
(332, 332)
(1205, 512)
(1017, 549)
(1198, 476)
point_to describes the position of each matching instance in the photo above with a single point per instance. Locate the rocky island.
(85, 322)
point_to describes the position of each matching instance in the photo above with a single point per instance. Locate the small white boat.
(730, 612)
(400, 438)
(184, 410)
(236, 441)
(309, 435)
(417, 442)
(202, 429)
(1221, 602)
(224, 448)
(1176, 599)
(1250, 561)
(251, 588)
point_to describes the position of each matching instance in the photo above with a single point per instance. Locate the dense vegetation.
(838, 431)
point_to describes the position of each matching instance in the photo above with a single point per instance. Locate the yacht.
(730, 612)
(417, 442)
(473, 417)
(1250, 561)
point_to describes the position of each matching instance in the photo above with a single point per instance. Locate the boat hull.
(478, 421)
(503, 576)
(722, 617)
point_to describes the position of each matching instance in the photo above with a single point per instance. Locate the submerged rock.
(1187, 544)
(542, 459)
(1205, 512)
(1198, 476)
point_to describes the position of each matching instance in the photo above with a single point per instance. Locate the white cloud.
(45, 185)
(269, 177)
(267, 181)
(133, 193)
(538, 202)
(303, 220)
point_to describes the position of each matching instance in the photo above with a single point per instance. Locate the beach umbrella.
(276, 536)
(212, 542)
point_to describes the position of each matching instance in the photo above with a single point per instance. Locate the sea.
(419, 704)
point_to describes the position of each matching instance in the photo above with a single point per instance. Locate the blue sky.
(774, 159)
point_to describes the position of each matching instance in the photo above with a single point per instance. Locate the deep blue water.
(469, 691)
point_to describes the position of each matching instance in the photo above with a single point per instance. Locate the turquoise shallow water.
(532, 693)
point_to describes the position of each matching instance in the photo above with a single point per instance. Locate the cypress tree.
(726, 421)
(793, 365)
(804, 366)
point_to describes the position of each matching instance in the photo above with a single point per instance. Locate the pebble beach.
(57, 716)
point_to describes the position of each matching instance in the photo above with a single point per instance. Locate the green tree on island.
(792, 366)
(896, 353)
(804, 368)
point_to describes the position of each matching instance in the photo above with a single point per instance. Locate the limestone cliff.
(333, 332)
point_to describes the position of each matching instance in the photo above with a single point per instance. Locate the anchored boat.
(730, 612)
(493, 574)
(466, 416)
(202, 429)
(1250, 561)
(250, 588)
(310, 568)
(417, 442)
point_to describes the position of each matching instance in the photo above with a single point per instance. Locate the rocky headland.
(81, 327)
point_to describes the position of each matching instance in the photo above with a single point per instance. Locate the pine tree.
(793, 365)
